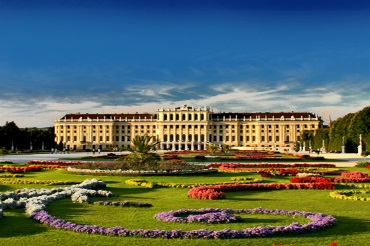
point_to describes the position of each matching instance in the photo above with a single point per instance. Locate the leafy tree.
(365, 154)
(10, 134)
(213, 148)
(3, 152)
(321, 134)
(140, 156)
(297, 146)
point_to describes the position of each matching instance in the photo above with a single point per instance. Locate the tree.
(3, 152)
(365, 154)
(297, 146)
(213, 148)
(140, 156)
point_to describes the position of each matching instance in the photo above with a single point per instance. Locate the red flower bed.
(368, 166)
(226, 166)
(59, 163)
(310, 180)
(21, 169)
(213, 192)
(265, 174)
(352, 177)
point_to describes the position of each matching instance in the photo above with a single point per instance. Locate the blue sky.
(59, 57)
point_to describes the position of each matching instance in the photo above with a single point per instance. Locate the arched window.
(165, 116)
(189, 137)
(165, 137)
(171, 116)
(177, 137)
(171, 137)
(183, 117)
(189, 117)
(196, 137)
(201, 116)
(183, 137)
(177, 117)
(202, 138)
(196, 117)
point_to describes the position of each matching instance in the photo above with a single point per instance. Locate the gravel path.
(344, 160)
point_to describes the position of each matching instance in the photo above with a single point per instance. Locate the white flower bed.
(308, 174)
(34, 200)
(119, 171)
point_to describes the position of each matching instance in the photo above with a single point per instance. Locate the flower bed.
(217, 191)
(120, 172)
(270, 165)
(355, 195)
(310, 179)
(58, 163)
(204, 215)
(30, 181)
(35, 201)
(123, 204)
(352, 177)
(318, 222)
(19, 169)
(146, 184)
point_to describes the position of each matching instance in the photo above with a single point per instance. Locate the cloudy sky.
(106, 56)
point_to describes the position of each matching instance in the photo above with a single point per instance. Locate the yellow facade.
(186, 128)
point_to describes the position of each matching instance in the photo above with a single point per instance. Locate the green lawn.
(353, 217)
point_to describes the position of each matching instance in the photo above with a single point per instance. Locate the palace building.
(186, 128)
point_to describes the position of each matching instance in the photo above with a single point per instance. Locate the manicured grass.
(353, 225)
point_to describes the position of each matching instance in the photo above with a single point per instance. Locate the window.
(247, 138)
(123, 138)
(221, 138)
(101, 138)
(233, 138)
(177, 117)
(263, 138)
(117, 138)
(253, 138)
(227, 138)
(74, 138)
(94, 138)
(277, 138)
(241, 138)
(107, 138)
(270, 138)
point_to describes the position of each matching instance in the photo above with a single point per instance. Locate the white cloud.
(230, 97)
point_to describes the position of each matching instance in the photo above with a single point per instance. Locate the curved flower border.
(35, 201)
(346, 195)
(318, 222)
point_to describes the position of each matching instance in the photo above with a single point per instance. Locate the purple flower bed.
(318, 222)
(123, 204)
(205, 215)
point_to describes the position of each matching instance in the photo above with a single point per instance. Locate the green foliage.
(362, 163)
(350, 127)
(213, 148)
(143, 144)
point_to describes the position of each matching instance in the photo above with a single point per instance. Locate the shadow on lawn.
(15, 223)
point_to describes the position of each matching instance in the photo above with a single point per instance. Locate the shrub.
(362, 163)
